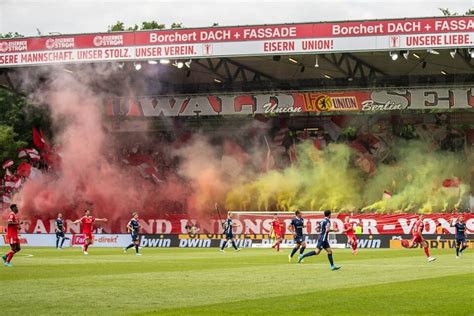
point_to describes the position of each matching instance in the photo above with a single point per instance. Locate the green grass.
(252, 282)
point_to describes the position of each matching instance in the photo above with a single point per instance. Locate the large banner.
(327, 37)
(298, 102)
(259, 224)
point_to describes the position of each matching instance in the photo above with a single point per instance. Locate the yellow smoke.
(328, 179)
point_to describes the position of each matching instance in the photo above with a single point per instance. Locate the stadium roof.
(355, 54)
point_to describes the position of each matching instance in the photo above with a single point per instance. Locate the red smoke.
(87, 176)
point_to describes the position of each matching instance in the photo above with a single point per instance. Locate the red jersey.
(418, 227)
(87, 224)
(349, 229)
(276, 225)
(12, 229)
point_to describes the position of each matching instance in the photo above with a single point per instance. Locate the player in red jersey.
(276, 232)
(87, 220)
(417, 238)
(12, 235)
(351, 237)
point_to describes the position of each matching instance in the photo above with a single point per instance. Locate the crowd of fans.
(153, 157)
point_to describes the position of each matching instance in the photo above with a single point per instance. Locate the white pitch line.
(24, 255)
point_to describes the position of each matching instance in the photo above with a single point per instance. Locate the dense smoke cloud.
(237, 171)
(329, 180)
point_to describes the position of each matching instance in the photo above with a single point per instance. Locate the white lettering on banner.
(370, 105)
(369, 226)
(402, 27)
(446, 225)
(163, 226)
(108, 40)
(173, 37)
(266, 226)
(13, 46)
(48, 240)
(154, 242)
(218, 35)
(357, 30)
(252, 227)
(60, 43)
(39, 228)
(397, 99)
(195, 243)
(275, 108)
(405, 226)
(52, 226)
(367, 243)
(430, 226)
(337, 224)
(147, 226)
(370, 223)
(240, 227)
(269, 32)
(454, 25)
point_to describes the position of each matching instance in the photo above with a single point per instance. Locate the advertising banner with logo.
(49, 240)
(444, 241)
(372, 101)
(325, 37)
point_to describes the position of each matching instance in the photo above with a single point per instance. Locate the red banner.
(441, 32)
(260, 224)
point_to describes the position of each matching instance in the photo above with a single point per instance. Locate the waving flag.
(7, 164)
(24, 169)
(39, 141)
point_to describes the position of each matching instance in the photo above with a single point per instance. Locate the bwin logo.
(155, 242)
(195, 243)
(368, 243)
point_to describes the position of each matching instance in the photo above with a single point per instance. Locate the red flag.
(451, 183)
(24, 169)
(386, 195)
(39, 141)
(7, 164)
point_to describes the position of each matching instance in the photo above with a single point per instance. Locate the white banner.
(211, 42)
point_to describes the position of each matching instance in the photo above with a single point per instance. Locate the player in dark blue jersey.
(59, 229)
(296, 227)
(228, 225)
(460, 235)
(133, 228)
(323, 240)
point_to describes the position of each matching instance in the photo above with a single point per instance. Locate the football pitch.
(251, 282)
